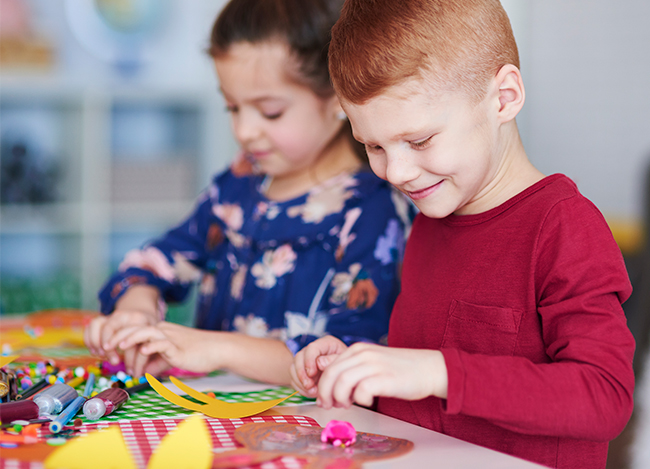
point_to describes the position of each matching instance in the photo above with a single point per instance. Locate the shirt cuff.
(455, 382)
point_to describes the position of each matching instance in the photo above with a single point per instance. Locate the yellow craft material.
(74, 382)
(188, 446)
(102, 449)
(6, 360)
(212, 407)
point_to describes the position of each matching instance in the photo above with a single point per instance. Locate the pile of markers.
(41, 394)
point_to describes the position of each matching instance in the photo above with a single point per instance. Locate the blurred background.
(111, 124)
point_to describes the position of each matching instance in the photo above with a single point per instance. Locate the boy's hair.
(456, 45)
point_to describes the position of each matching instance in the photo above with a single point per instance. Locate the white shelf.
(88, 210)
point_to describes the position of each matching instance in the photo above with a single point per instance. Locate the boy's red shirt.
(525, 303)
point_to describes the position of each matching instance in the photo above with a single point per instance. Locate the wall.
(586, 66)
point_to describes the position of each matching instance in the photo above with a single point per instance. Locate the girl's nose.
(245, 127)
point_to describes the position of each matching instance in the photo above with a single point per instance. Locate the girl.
(298, 239)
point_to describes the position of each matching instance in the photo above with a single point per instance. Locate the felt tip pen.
(64, 417)
(105, 403)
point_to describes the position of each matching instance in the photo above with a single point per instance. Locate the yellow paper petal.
(103, 449)
(213, 407)
(188, 446)
(6, 360)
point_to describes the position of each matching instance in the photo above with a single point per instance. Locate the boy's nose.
(399, 170)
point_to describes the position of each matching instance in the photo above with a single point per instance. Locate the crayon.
(74, 382)
(64, 417)
(105, 403)
(55, 398)
(18, 410)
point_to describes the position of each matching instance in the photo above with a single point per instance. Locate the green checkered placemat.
(149, 404)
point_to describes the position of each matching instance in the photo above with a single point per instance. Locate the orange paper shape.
(212, 407)
(281, 439)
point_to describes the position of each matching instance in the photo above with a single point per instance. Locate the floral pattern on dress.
(326, 262)
(325, 200)
(342, 283)
(274, 264)
(151, 259)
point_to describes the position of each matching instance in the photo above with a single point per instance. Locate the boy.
(508, 331)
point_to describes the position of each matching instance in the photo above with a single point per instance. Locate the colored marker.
(105, 403)
(53, 399)
(18, 410)
(64, 417)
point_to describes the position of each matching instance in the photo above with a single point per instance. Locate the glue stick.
(53, 399)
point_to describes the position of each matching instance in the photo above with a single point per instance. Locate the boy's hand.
(365, 371)
(309, 363)
(179, 346)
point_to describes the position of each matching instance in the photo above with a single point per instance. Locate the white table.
(431, 449)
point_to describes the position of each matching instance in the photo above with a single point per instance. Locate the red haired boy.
(509, 331)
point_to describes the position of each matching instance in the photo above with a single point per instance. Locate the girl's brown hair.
(304, 25)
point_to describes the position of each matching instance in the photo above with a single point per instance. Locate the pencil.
(33, 390)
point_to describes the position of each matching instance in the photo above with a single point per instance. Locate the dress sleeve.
(585, 390)
(171, 263)
(359, 291)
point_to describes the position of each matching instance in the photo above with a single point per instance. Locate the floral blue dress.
(326, 262)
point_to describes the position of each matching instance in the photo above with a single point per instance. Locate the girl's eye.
(272, 116)
(232, 109)
(420, 144)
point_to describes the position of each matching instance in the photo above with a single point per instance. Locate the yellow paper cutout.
(188, 446)
(6, 360)
(212, 407)
(103, 449)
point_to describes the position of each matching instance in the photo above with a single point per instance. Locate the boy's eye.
(372, 148)
(420, 144)
(232, 109)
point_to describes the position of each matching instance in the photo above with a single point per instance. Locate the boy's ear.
(511, 92)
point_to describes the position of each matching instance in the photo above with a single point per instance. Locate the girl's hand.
(138, 307)
(309, 363)
(99, 333)
(365, 371)
(179, 346)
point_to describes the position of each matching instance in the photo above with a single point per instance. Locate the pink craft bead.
(338, 433)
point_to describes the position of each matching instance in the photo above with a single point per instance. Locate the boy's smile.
(442, 149)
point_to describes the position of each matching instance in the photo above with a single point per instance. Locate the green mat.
(150, 405)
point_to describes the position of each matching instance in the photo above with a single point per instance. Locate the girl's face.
(281, 124)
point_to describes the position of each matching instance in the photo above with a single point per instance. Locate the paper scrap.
(212, 407)
(102, 449)
(188, 446)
